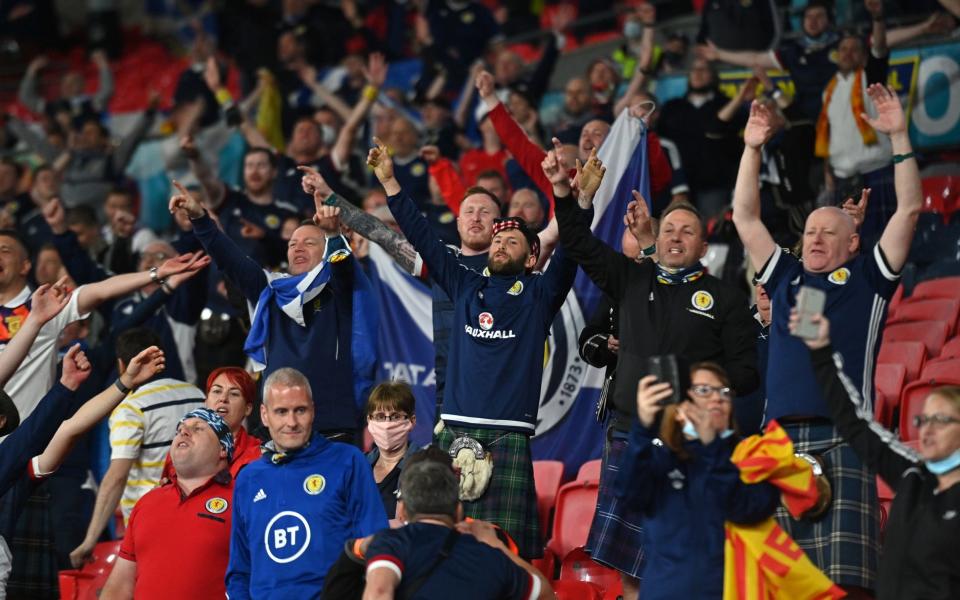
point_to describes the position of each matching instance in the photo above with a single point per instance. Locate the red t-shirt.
(476, 161)
(181, 545)
(246, 449)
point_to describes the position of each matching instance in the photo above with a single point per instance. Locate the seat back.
(929, 309)
(573, 515)
(951, 349)
(590, 470)
(941, 369)
(933, 334)
(940, 194)
(914, 396)
(576, 590)
(910, 354)
(578, 566)
(87, 582)
(547, 475)
(889, 381)
(942, 287)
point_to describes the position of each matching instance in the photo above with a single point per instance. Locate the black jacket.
(919, 557)
(657, 319)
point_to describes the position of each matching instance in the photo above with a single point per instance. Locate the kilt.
(616, 534)
(844, 542)
(34, 573)
(511, 497)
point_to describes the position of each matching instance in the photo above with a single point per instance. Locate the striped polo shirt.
(142, 428)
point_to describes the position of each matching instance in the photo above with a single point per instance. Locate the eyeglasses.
(935, 419)
(389, 417)
(705, 391)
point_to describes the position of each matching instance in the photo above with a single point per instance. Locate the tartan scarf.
(869, 136)
(761, 561)
(671, 276)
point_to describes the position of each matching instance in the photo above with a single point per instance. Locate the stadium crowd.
(205, 380)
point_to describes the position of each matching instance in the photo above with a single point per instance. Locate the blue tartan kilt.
(844, 542)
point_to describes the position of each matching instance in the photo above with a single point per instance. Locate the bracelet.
(166, 288)
(155, 277)
(330, 200)
(649, 250)
(123, 389)
(370, 92)
(899, 158)
(223, 96)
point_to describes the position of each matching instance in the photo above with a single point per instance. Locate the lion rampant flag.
(761, 561)
(269, 111)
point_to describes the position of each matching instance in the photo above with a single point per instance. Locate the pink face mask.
(389, 436)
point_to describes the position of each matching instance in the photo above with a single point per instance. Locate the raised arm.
(744, 58)
(28, 94)
(898, 234)
(321, 95)
(47, 301)
(376, 75)
(140, 370)
(105, 86)
(753, 233)
(33, 140)
(215, 190)
(124, 151)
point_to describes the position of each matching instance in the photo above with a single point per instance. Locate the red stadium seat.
(940, 195)
(914, 396)
(885, 497)
(589, 471)
(911, 355)
(895, 301)
(576, 590)
(943, 287)
(951, 349)
(615, 592)
(547, 476)
(87, 582)
(576, 503)
(933, 334)
(889, 381)
(578, 566)
(939, 369)
(929, 309)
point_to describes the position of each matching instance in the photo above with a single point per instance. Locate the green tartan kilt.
(511, 497)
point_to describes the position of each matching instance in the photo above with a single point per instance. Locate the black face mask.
(704, 89)
(674, 59)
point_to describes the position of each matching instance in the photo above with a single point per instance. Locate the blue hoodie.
(292, 513)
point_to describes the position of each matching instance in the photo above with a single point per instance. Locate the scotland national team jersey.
(857, 297)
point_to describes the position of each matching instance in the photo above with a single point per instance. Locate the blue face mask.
(944, 465)
(690, 431)
(632, 30)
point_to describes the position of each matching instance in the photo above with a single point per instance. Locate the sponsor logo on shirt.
(486, 331)
(261, 495)
(314, 484)
(486, 321)
(286, 536)
(216, 505)
(840, 277)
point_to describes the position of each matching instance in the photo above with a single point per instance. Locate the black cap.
(9, 410)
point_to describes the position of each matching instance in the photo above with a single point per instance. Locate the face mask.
(389, 436)
(945, 465)
(329, 134)
(632, 30)
(690, 431)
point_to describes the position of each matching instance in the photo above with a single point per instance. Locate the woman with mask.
(918, 559)
(390, 419)
(678, 473)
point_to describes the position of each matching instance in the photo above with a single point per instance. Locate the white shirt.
(849, 156)
(35, 376)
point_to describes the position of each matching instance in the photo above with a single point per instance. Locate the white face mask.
(690, 431)
(390, 436)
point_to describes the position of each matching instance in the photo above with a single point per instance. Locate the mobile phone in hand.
(810, 301)
(673, 370)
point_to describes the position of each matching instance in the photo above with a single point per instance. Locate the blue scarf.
(670, 276)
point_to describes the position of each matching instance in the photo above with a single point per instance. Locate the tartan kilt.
(616, 534)
(844, 542)
(511, 497)
(34, 574)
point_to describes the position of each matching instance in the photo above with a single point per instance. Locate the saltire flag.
(566, 429)
(762, 561)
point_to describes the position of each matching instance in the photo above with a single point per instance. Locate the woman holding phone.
(678, 474)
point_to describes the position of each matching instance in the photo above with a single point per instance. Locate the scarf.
(869, 136)
(671, 276)
(761, 561)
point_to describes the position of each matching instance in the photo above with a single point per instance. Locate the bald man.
(858, 283)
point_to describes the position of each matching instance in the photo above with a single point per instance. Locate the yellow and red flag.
(761, 561)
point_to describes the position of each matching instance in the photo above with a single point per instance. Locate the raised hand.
(858, 210)
(211, 74)
(485, 86)
(379, 159)
(48, 300)
(184, 200)
(707, 51)
(76, 368)
(700, 419)
(143, 367)
(759, 127)
(647, 13)
(556, 174)
(637, 219)
(649, 397)
(874, 7)
(431, 154)
(313, 183)
(55, 216)
(590, 175)
(328, 219)
(890, 118)
(376, 70)
(189, 262)
(251, 231)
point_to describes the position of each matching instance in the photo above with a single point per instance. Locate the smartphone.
(810, 301)
(673, 370)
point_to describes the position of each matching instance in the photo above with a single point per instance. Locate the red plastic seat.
(87, 582)
(943, 287)
(889, 381)
(576, 503)
(929, 309)
(951, 349)
(547, 476)
(914, 395)
(895, 301)
(578, 566)
(933, 334)
(940, 369)
(576, 590)
(885, 498)
(590, 470)
(911, 355)
(940, 195)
